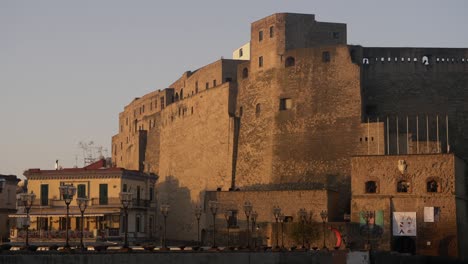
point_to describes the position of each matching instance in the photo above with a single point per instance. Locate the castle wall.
(196, 154)
(419, 81)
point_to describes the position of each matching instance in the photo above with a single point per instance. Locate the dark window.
(257, 109)
(124, 188)
(371, 187)
(103, 199)
(177, 96)
(245, 73)
(207, 85)
(285, 103)
(44, 194)
(137, 223)
(143, 108)
(196, 86)
(81, 191)
(432, 186)
(260, 35)
(271, 32)
(241, 53)
(214, 83)
(181, 94)
(260, 61)
(151, 193)
(336, 35)
(290, 61)
(138, 198)
(326, 56)
(162, 103)
(403, 187)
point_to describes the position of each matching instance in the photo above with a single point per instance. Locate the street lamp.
(303, 217)
(198, 213)
(67, 191)
(213, 205)
(82, 204)
(248, 210)
(347, 219)
(165, 211)
(368, 215)
(277, 213)
(254, 216)
(27, 199)
(281, 220)
(126, 200)
(227, 215)
(324, 215)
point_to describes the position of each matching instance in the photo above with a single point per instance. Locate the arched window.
(403, 186)
(432, 186)
(176, 97)
(181, 94)
(290, 61)
(245, 73)
(371, 186)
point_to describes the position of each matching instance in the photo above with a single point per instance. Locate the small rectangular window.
(103, 198)
(214, 83)
(326, 56)
(162, 103)
(44, 194)
(81, 190)
(336, 35)
(241, 53)
(207, 85)
(285, 103)
(260, 61)
(124, 188)
(260, 35)
(271, 31)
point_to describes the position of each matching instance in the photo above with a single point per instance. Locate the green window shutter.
(81, 191)
(103, 194)
(44, 194)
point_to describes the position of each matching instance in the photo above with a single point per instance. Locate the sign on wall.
(404, 223)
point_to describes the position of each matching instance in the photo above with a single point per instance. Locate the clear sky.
(67, 68)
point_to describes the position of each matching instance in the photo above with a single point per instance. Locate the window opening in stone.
(271, 31)
(257, 109)
(432, 186)
(260, 61)
(403, 186)
(371, 187)
(241, 111)
(260, 35)
(214, 83)
(207, 85)
(290, 61)
(285, 104)
(326, 56)
(241, 52)
(245, 73)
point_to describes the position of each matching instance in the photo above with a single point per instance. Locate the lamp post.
(165, 212)
(27, 199)
(198, 213)
(303, 217)
(248, 210)
(213, 205)
(227, 215)
(324, 215)
(368, 215)
(347, 218)
(277, 213)
(67, 192)
(126, 201)
(82, 204)
(254, 216)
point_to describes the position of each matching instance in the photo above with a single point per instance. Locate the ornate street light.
(198, 213)
(254, 216)
(165, 212)
(27, 199)
(227, 215)
(368, 215)
(303, 216)
(82, 204)
(126, 201)
(67, 191)
(347, 219)
(248, 210)
(277, 213)
(324, 216)
(213, 205)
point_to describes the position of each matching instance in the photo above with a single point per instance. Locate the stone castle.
(287, 115)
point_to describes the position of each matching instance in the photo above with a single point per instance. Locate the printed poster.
(404, 223)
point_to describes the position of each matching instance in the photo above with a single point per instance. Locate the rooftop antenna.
(91, 152)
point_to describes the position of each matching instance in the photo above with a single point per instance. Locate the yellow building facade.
(103, 217)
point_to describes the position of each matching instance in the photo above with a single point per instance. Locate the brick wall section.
(445, 236)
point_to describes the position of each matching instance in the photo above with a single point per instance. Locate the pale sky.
(67, 68)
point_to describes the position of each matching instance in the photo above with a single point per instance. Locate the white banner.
(429, 214)
(404, 223)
